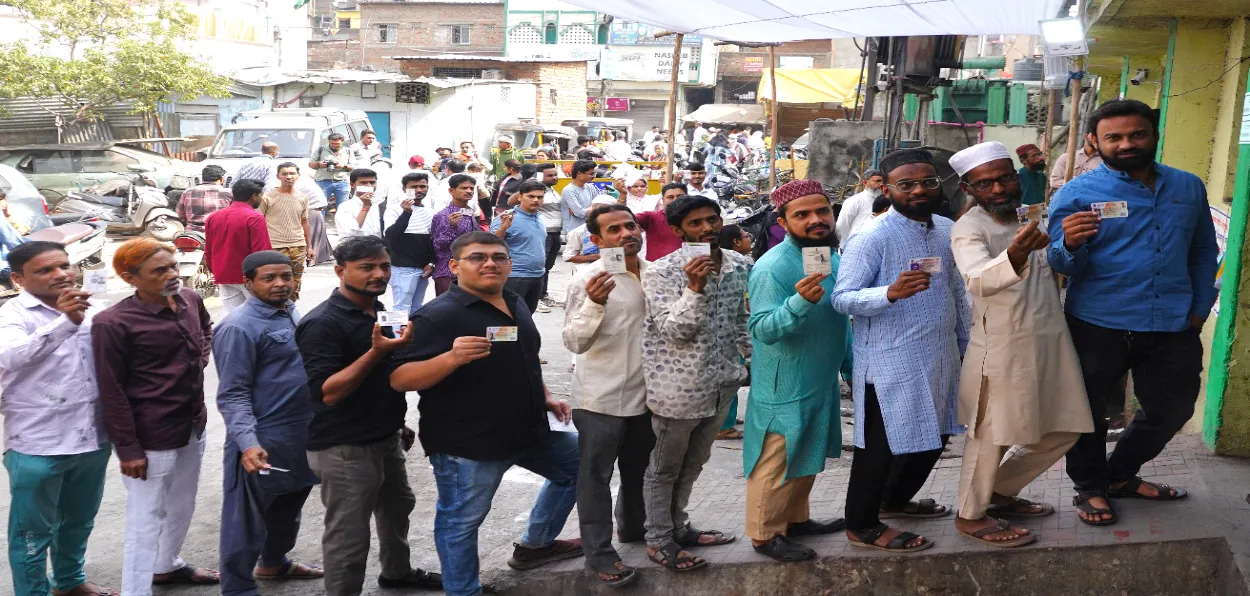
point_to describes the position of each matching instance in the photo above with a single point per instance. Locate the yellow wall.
(1189, 131)
(1228, 121)
(354, 15)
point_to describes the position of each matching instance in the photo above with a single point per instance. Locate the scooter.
(126, 206)
(191, 266)
(84, 240)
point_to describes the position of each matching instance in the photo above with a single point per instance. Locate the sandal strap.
(926, 506)
(871, 535)
(900, 542)
(999, 526)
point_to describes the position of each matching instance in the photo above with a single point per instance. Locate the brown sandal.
(981, 536)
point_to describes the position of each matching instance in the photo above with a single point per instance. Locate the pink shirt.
(660, 237)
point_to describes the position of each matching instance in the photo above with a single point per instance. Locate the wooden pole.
(772, 120)
(1052, 114)
(1074, 122)
(672, 108)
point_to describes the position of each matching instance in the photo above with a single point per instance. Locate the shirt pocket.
(281, 335)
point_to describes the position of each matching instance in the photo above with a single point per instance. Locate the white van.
(297, 131)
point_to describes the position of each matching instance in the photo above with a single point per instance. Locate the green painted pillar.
(1165, 89)
(911, 105)
(1220, 409)
(996, 101)
(1124, 79)
(1018, 104)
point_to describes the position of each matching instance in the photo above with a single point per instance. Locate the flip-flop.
(624, 577)
(87, 589)
(925, 509)
(868, 539)
(691, 537)
(292, 570)
(1001, 526)
(1020, 508)
(186, 575)
(1129, 491)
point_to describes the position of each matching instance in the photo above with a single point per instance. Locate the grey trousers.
(359, 482)
(604, 440)
(681, 449)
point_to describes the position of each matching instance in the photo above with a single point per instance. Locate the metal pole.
(672, 108)
(870, 80)
(772, 144)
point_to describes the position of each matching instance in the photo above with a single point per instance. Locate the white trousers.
(158, 515)
(232, 296)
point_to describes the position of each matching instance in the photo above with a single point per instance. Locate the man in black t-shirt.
(357, 438)
(484, 409)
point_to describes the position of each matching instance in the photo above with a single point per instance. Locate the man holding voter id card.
(263, 397)
(484, 409)
(1021, 382)
(898, 279)
(799, 345)
(1136, 240)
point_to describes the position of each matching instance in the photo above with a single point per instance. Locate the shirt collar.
(893, 215)
(240, 205)
(267, 310)
(31, 302)
(157, 309)
(339, 300)
(1155, 166)
(466, 298)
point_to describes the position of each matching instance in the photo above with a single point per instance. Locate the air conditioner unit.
(492, 74)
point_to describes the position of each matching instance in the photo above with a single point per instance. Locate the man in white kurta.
(1021, 382)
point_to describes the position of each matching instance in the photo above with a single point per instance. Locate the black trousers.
(605, 440)
(553, 251)
(530, 289)
(1166, 369)
(879, 478)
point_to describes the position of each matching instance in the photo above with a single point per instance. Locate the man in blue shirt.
(526, 236)
(577, 194)
(267, 478)
(1142, 285)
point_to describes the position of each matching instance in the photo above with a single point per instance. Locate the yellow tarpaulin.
(812, 85)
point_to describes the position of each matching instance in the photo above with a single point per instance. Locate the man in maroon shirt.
(660, 239)
(150, 352)
(230, 235)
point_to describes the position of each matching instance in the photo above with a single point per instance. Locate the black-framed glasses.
(929, 183)
(986, 185)
(479, 259)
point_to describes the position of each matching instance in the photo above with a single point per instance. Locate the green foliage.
(91, 54)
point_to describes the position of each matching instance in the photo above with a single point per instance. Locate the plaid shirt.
(198, 202)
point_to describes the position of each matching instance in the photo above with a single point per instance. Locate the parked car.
(58, 169)
(26, 205)
(297, 131)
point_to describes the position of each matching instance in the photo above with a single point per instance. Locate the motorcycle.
(84, 241)
(191, 266)
(127, 206)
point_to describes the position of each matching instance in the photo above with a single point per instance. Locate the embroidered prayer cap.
(1024, 150)
(982, 153)
(794, 189)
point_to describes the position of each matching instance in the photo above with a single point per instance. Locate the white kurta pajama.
(1021, 381)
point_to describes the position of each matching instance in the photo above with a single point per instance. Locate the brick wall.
(421, 29)
(561, 85)
(329, 54)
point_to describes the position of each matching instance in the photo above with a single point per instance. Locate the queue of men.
(662, 346)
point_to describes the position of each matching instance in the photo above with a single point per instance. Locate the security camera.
(1140, 76)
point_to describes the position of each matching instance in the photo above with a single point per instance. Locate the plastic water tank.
(1028, 69)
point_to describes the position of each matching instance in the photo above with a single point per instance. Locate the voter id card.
(501, 333)
(697, 249)
(394, 319)
(927, 264)
(1031, 213)
(613, 260)
(1110, 209)
(95, 281)
(816, 260)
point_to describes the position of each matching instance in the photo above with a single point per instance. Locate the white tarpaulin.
(792, 20)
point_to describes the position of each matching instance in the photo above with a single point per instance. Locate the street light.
(1064, 37)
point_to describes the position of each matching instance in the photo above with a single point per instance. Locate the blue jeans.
(408, 288)
(54, 500)
(466, 488)
(334, 189)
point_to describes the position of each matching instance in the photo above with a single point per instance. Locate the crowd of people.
(940, 327)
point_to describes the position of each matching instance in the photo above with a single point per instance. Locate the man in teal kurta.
(799, 345)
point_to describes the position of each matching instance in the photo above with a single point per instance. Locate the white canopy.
(793, 20)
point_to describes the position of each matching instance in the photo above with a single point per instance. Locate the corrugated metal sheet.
(36, 114)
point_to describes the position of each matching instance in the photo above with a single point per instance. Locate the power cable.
(1215, 80)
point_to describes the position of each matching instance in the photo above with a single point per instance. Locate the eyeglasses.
(929, 183)
(477, 259)
(986, 185)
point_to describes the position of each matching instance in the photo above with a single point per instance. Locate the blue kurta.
(910, 350)
(797, 350)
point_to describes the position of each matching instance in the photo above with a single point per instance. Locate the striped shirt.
(285, 215)
(910, 349)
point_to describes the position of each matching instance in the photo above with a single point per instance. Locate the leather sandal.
(868, 539)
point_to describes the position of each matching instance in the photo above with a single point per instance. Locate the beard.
(922, 211)
(172, 290)
(830, 240)
(1128, 162)
(1003, 212)
(366, 291)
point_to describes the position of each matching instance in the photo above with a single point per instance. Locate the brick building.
(399, 27)
(561, 84)
(739, 69)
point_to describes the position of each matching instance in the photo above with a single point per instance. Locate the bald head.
(270, 149)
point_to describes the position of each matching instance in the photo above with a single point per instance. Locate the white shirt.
(706, 192)
(345, 219)
(607, 340)
(650, 137)
(418, 222)
(619, 151)
(362, 154)
(643, 203)
(856, 211)
(549, 211)
(49, 399)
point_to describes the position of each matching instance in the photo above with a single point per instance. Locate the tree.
(91, 54)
